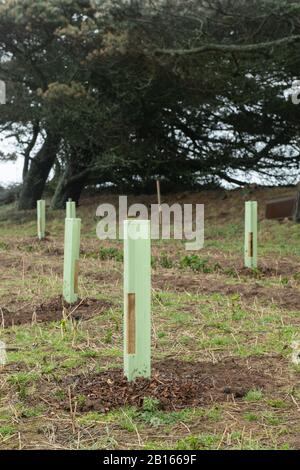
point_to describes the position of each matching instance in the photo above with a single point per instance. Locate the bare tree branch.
(229, 47)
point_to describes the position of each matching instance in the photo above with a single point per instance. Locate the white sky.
(10, 172)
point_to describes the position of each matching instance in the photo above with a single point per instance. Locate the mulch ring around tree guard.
(53, 310)
(176, 384)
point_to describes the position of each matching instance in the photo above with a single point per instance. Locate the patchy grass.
(206, 307)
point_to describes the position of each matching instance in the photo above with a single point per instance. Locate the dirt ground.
(55, 309)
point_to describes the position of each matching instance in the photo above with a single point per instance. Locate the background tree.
(122, 92)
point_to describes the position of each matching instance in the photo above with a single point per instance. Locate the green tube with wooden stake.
(71, 259)
(250, 249)
(41, 219)
(137, 299)
(70, 209)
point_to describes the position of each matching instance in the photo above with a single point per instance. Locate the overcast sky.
(10, 172)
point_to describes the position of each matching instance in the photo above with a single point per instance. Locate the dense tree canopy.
(121, 92)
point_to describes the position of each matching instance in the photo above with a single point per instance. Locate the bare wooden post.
(159, 201)
(137, 299)
(71, 259)
(131, 324)
(70, 209)
(250, 250)
(41, 219)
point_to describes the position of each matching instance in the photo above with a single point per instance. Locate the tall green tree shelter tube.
(71, 259)
(137, 299)
(250, 250)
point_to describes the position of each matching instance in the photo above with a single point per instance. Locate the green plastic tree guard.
(71, 209)
(41, 219)
(71, 259)
(251, 234)
(137, 299)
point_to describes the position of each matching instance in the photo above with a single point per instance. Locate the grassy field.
(222, 377)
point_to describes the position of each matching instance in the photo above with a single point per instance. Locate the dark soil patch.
(14, 367)
(267, 266)
(8, 261)
(175, 384)
(286, 297)
(105, 277)
(47, 246)
(53, 310)
(233, 266)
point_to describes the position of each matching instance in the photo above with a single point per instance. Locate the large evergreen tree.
(125, 91)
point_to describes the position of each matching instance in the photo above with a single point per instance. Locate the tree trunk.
(296, 216)
(37, 175)
(35, 134)
(69, 186)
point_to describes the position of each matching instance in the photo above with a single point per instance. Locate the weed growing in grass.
(251, 417)
(277, 403)
(92, 417)
(22, 382)
(89, 353)
(151, 414)
(230, 272)
(166, 262)
(195, 263)
(6, 431)
(156, 445)
(254, 395)
(126, 419)
(284, 281)
(4, 246)
(110, 253)
(80, 399)
(150, 404)
(271, 418)
(60, 395)
(108, 337)
(164, 298)
(213, 414)
(238, 314)
(204, 441)
(161, 334)
(29, 248)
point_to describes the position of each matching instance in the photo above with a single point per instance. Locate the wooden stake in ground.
(71, 259)
(251, 234)
(137, 299)
(41, 219)
(70, 209)
(159, 201)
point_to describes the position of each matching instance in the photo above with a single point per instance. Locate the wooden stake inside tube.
(130, 324)
(159, 201)
(250, 247)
